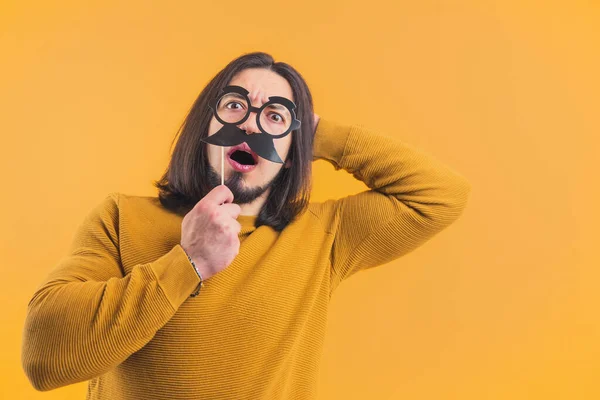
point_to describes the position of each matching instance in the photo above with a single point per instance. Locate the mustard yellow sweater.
(117, 309)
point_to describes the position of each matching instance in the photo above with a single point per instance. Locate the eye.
(277, 117)
(233, 103)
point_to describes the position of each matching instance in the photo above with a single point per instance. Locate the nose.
(249, 125)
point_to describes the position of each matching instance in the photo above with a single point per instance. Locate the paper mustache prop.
(275, 119)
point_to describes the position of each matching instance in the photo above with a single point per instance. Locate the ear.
(288, 163)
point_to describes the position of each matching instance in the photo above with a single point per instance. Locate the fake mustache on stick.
(260, 143)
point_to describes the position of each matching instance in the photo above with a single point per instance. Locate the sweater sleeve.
(412, 196)
(88, 316)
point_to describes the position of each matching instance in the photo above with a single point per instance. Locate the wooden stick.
(222, 162)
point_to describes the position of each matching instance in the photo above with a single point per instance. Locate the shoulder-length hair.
(185, 180)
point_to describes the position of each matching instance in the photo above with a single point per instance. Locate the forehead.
(262, 83)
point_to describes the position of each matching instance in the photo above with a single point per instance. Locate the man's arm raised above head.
(412, 196)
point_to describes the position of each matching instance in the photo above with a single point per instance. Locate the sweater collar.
(247, 223)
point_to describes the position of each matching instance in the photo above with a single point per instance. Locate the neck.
(255, 206)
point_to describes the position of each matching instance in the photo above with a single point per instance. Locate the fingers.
(217, 196)
(231, 209)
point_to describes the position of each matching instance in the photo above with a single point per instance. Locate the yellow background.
(502, 305)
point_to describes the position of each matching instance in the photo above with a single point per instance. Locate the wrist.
(201, 284)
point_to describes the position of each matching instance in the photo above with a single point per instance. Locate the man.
(217, 291)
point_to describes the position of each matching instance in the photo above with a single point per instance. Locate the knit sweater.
(116, 310)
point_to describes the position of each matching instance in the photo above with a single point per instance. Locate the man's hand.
(209, 232)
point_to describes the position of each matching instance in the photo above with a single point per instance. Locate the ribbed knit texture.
(117, 309)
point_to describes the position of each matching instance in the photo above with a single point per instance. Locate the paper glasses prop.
(275, 119)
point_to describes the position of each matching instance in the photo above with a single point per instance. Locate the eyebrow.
(236, 95)
(278, 107)
(275, 106)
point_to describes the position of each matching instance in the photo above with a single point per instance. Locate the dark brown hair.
(185, 180)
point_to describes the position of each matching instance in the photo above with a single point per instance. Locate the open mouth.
(242, 157)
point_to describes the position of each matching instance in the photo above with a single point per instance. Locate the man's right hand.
(209, 232)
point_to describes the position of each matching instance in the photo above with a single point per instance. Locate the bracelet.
(201, 284)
